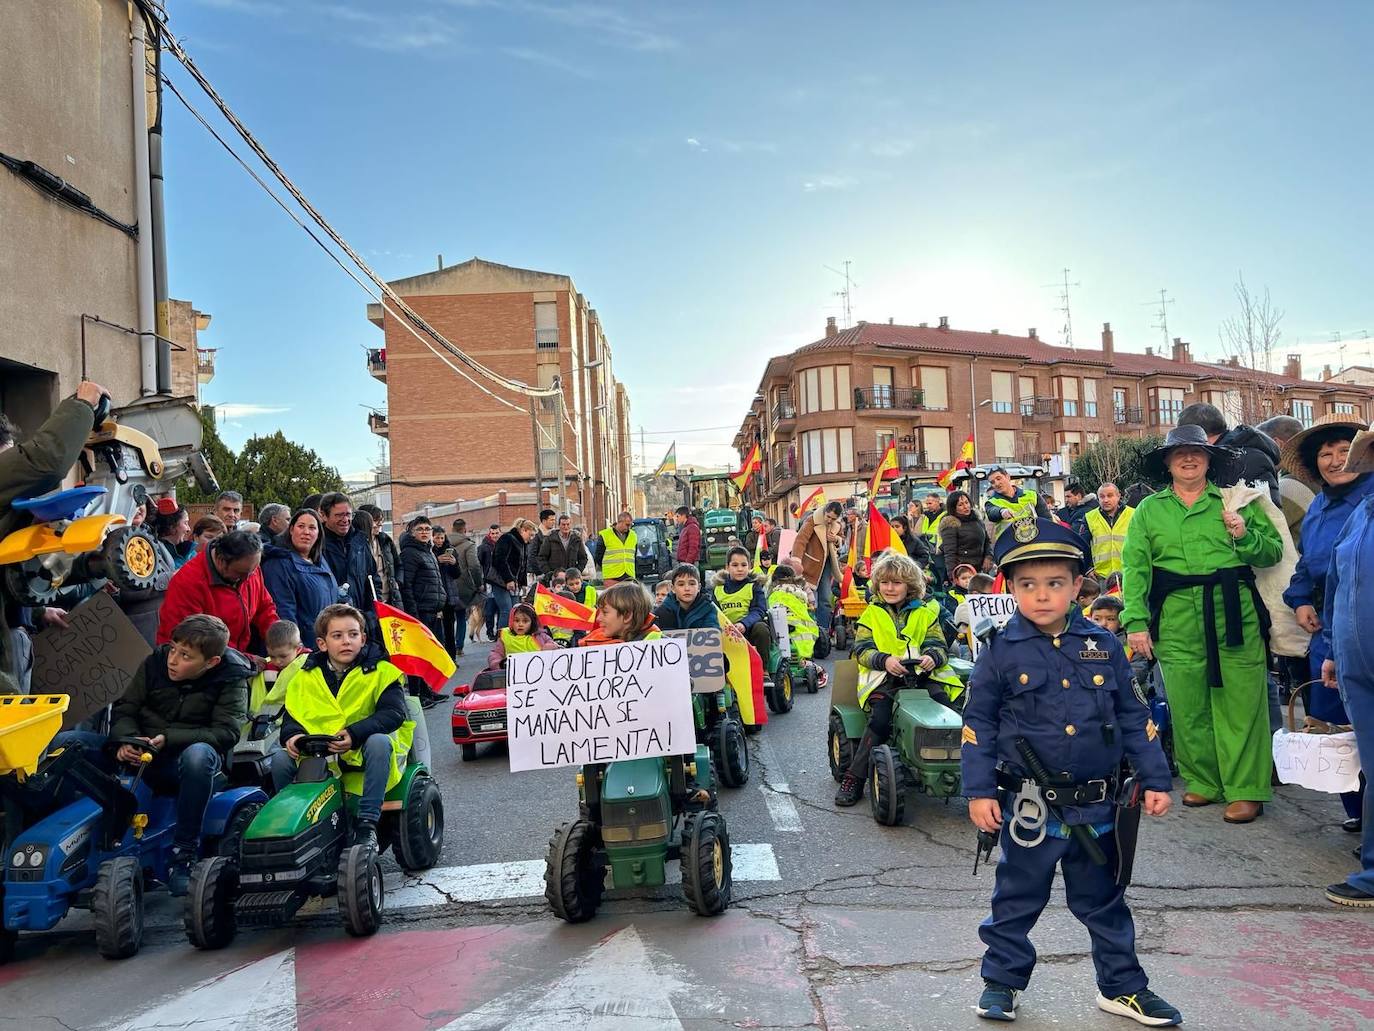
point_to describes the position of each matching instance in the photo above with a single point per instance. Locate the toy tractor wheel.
(887, 797)
(420, 837)
(233, 834)
(574, 876)
(707, 883)
(469, 753)
(117, 905)
(813, 679)
(210, 922)
(361, 895)
(840, 747)
(753, 728)
(841, 636)
(29, 584)
(822, 649)
(780, 694)
(731, 752)
(130, 555)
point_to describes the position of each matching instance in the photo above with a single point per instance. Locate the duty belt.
(1089, 792)
(1165, 582)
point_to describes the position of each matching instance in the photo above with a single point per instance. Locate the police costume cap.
(1029, 538)
(1223, 460)
(1298, 457)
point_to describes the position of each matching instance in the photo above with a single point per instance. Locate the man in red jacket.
(223, 580)
(688, 536)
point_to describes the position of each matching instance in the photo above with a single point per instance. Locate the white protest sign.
(705, 658)
(778, 614)
(1321, 762)
(987, 608)
(595, 705)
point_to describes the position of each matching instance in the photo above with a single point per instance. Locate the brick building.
(451, 443)
(826, 412)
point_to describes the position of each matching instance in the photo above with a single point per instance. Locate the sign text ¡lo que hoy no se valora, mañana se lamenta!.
(603, 704)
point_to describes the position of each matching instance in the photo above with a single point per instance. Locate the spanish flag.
(878, 536)
(414, 649)
(816, 499)
(564, 613)
(887, 468)
(751, 465)
(744, 671)
(964, 461)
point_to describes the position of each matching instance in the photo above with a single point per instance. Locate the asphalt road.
(837, 923)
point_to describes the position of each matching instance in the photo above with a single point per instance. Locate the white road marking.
(260, 996)
(614, 987)
(777, 793)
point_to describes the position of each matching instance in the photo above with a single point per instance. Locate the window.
(546, 324)
(882, 387)
(1004, 446)
(1343, 408)
(1066, 389)
(1025, 391)
(1165, 405)
(1302, 411)
(1072, 441)
(1090, 398)
(884, 438)
(811, 390)
(811, 452)
(935, 385)
(935, 441)
(1119, 403)
(827, 391)
(827, 451)
(1002, 399)
(823, 389)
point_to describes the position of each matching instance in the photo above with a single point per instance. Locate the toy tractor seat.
(28, 723)
(61, 504)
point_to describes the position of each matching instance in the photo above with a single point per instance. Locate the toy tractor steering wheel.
(144, 747)
(914, 672)
(101, 412)
(316, 746)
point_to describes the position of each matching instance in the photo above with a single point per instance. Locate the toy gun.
(1051, 785)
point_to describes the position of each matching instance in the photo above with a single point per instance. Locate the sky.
(699, 170)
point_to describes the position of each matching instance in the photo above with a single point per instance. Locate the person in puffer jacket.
(422, 592)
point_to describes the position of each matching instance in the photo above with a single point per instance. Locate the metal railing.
(784, 409)
(906, 459)
(1038, 409)
(1129, 416)
(889, 399)
(377, 423)
(546, 338)
(376, 361)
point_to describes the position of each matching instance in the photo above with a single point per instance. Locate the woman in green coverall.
(1180, 548)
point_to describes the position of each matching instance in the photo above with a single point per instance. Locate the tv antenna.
(845, 295)
(1066, 332)
(1161, 308)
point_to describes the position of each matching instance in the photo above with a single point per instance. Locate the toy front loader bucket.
(27, 724)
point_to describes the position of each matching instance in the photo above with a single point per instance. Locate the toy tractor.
(720, 729)
(923, 751)
(297, 848)
(99, 850)
(82, 534)
(636, 816)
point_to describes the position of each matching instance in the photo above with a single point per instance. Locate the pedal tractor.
(801, 670)
(82, 535)
(778, 683)
(297, 848)
(923, 751)
(636, 816)
(721, 729)
(100, 851)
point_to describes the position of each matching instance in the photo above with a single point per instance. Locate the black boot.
(852, 786)
(365, 833)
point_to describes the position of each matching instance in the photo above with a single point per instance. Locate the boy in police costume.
(1051, 713)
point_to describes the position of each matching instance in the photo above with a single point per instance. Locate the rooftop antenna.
(845, 295)
(1340, 345)
(1066, 333)
(1161, 307)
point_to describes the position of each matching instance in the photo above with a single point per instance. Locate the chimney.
(944, 322)
(1182, 353)
(1326, 372)
(441, 263)
(1233, 361)
(1293, 370)
(1108, 343)
(830, 329)
(1031, 333)
(1150, 351)
(923, 325)
(995, 332)
(889, 320)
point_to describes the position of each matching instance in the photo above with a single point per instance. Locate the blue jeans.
(505, 601)
(189, 775)
(489, 614)
(376, 767)
(823, 596)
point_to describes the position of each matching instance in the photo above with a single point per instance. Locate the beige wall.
(65, 104)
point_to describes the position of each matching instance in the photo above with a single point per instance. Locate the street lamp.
(974, 416)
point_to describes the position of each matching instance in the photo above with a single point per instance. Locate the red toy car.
(479, 711)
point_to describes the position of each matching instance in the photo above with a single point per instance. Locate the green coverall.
(1221, 734)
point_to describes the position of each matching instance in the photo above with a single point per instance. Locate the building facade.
(826, 412)
(451, 442)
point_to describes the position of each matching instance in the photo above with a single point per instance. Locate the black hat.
(1221, 459)
(1028, 538)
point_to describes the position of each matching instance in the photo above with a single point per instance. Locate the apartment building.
(453, 443)
(826, 412)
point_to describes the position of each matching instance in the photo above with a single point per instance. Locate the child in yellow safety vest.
(285, 658)
(524, 634)
(787, 591)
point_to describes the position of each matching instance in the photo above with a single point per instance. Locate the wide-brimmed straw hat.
(1221, 459)
(1361, 457)
(1298, 456)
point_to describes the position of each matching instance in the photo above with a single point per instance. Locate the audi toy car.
(479, 712)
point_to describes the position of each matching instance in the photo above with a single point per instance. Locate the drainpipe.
(143, 208)
(159, 224)
(973, 409)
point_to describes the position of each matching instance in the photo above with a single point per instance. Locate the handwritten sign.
(1321, 762)
(705, 658)
(984, 609)
(597, 705)
(92, 660)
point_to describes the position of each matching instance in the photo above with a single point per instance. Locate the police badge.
(1024, 530)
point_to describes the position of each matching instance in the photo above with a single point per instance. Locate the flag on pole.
(744, 671)
(563, 613)
(964, 461)
(816, 499)
(669, 463)
(878, 535)
(887, 468)
(752, 463)
(413, 648)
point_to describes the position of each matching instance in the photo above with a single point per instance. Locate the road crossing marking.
(260, 996)
(777, 793)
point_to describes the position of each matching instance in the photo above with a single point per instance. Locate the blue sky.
(694, 168)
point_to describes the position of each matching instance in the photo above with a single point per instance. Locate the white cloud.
(819, 183)
(892, 148)
(232, 410)
(548, 61)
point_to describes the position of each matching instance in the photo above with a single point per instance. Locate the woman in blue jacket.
(1317, 457)
(297, 577)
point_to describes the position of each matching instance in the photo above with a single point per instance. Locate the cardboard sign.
(597, 705)
(1321, 762)
(778, 614)
(92, 661)
(705, 658)
(987, 608)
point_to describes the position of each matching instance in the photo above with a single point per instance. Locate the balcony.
(205, 364)
(1129, 416)
(784, 411)
(376, 362)
(907, 461)
(1038, 409)
(546, 339)
(376, 422)
(783, 475)
(881, 400)
(1032, 458)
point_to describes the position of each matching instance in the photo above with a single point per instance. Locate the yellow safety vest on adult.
(618, 562)
(319, 711)
(904, 644)
(1108, 539)
(1023, 504)
(930, 528)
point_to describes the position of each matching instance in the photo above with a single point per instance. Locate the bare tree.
(1249, 340)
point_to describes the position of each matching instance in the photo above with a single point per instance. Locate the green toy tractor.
(636, 816)
(296, 848)
(923, 751)
(721, 729)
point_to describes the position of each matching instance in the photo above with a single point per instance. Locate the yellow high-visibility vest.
(735, 606)
(1015, 509)
(930, 528)
(1108, 540)
(618, 562)
(513, 642)
(904, 645)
